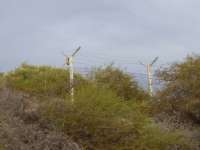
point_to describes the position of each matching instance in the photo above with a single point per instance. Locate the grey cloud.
(38, 30)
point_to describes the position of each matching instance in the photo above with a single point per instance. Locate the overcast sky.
(123, 31)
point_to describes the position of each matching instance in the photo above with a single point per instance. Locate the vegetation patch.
(100, 118)
(123, 84)
(181, 92)
(2, 80)
(1, 147)
(42, 80)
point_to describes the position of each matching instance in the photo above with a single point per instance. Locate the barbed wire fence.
(84, 65)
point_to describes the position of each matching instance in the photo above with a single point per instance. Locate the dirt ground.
(21, 130)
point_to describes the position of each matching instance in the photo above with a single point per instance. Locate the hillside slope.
(20, 129)
(42, 116)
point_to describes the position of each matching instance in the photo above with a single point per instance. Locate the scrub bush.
(99, 119)
(42, 80)
(120, 82)
(181, 91)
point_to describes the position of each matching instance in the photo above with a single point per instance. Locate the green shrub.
(98, 119)
(181, 92)
(1, 147)
(120, 82)
(1, 80)
(43, 80)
